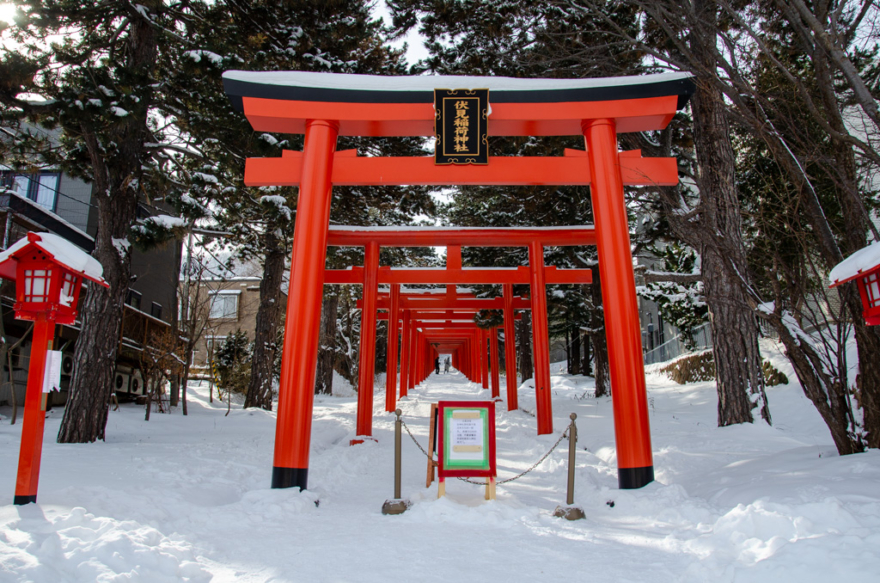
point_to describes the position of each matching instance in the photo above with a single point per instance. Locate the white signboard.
(52, 372)
(467, 436)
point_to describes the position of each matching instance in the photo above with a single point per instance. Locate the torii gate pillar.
(540, 338)
(391, 368)
(405, 353)
(364, 426)
(493, 352)
(509, 349)
(299, 356)
(632, 431)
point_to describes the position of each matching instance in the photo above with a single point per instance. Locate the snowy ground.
(187, 499)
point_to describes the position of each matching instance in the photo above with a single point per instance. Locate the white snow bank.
(188, 498)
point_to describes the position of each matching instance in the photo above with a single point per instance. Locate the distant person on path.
(437, 365)
(446, 365)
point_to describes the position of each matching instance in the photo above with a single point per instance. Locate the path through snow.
(187, 499)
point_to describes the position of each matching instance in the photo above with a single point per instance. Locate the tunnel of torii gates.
(325, 106)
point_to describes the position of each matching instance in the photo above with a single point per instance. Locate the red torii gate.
(536, 275)
(464, 320)
(324, 106)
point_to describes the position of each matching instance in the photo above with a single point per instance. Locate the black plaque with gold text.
(461, 118)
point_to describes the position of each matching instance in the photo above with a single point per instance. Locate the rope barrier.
(516, 477)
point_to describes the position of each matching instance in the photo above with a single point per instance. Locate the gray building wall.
(155, 270)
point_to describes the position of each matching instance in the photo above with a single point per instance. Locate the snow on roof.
(355, 229)
(52, 214)
(62, 251)
(430, 82)
(350, 88)
(856, 264)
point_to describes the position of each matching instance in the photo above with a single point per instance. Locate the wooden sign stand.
(432, 434)
(465, 444)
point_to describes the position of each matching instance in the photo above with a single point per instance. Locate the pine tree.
(337, 36)
(514, 39)
(100, 87)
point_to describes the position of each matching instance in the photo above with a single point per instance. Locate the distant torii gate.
(536, 275)
(324, 106)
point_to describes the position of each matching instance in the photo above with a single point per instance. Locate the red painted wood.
(461, 236)
(405, 352)
(507, 119)
(510, 349)
(541, 340)
(293, 429)
(387, 275)
(368, 343)
(631, 426)
(501, 171)
(31, 449)
(391, 360)
(493, 355)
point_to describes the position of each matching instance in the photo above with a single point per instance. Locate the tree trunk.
(116, 172)
(734, 330)
(259, 393)
(597, 336)
(327, 344)
(524, 344)
(567, 351)
(587, 362)
(85, 416)
(829, 395)
(575, 351)
(856, 224)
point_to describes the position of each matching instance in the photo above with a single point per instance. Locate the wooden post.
(296, 393)
(540, 339)
(496, 374)
(510, 349)
(635, 465)
(31, 450)
(391, 360)
(368, 342)
(405, 353)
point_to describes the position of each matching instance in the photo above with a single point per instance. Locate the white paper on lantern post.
(52, 372)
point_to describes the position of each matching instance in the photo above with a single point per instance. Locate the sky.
(6, 12)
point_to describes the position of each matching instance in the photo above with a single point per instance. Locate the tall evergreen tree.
(90, 70)
(338, 36)
(515, 39)
(708, 221)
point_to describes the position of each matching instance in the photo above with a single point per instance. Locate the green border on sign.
(447, 445)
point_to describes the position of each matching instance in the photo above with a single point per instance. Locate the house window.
(872, 286)
(156, 310)
(42, 188)
(20, 185)
(214, 342)
(224, 306)
(45, 190)
(133, 299)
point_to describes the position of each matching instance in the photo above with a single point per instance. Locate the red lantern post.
(48, 272)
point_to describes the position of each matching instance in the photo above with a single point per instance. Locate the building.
(51, 201)
(228, 304)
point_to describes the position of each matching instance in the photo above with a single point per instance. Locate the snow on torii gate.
(324, 106)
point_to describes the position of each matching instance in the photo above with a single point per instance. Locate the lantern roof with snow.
(57, 249)
(859, 264)
(863, 266)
